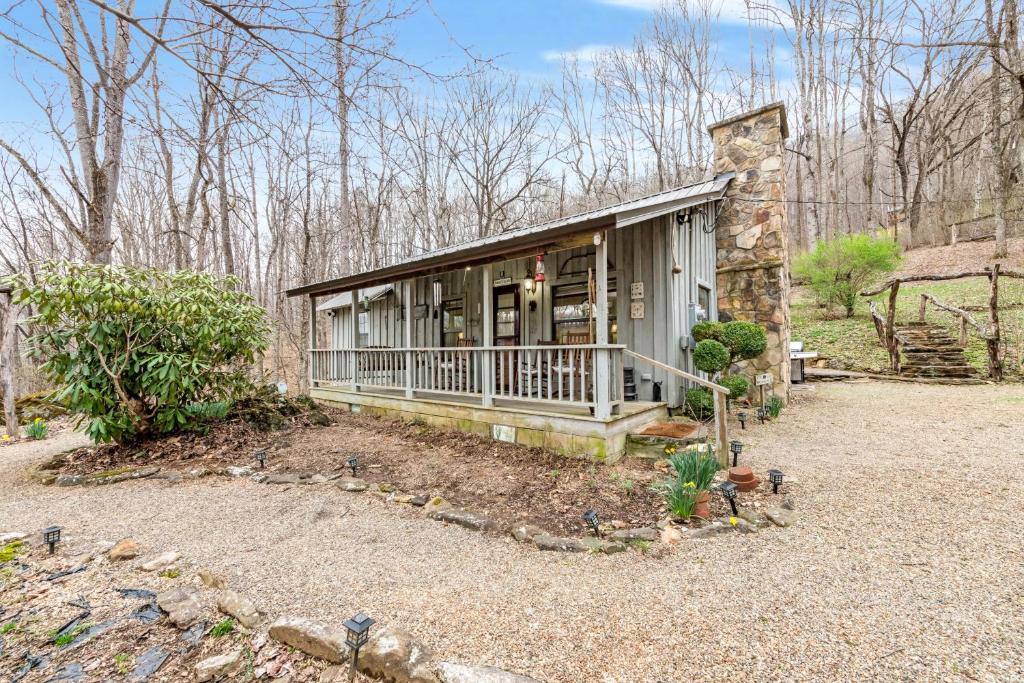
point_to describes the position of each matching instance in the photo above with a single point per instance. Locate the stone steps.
(652, 446)
(930, 352)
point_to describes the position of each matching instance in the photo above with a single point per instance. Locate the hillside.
(852, 344)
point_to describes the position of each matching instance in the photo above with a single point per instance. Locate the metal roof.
(527, 240)
(344, 300)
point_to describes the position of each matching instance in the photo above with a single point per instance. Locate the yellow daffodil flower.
(733, 521)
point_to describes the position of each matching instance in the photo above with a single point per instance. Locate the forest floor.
(904, 563)
(852, 343)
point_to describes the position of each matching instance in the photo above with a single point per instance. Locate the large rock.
(780, 516)
(235, 471)
(242, 609)
(69, 480)
(464, 518)
(316, 640)
(216, 667)
(449, 672)
(558, 543)
(161, 561)
(182, 606)
(114, 478)
(125, 549)
(391, 654)
(210, 579)
(638, 534)
(525, 533)
(351, 484)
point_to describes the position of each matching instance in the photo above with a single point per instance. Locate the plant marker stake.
(728, 491)
(357, 632)
(51, 535)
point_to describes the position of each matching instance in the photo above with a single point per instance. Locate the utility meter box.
(695, 314)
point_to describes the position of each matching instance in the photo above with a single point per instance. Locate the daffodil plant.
(694, 471)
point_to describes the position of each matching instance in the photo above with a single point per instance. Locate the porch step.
(649, 442)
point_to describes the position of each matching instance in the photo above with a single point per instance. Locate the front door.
(506, 333)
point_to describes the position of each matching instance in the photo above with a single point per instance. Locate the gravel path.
(905, 565)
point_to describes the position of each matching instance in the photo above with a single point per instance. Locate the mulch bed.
(508, 482)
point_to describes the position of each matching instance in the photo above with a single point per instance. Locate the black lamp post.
(735, 447)
(775, 477)
(590, 517)
(51, 536)
(353, 464)
(728, 491)
(261, 457)
(742, 417)
(357, 632)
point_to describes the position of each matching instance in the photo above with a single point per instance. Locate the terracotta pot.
(701, 507)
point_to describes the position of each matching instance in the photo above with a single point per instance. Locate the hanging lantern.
(539, 269)
(529, 284)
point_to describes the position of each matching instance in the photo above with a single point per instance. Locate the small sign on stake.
(765, 379)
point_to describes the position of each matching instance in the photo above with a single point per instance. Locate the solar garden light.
(762, 414)
(51, 536)
(735, 447)
(590, 517)
(261, 457)
(775, 477)
(742, 417)
(728, 491)
(357, 633)
(353, 464)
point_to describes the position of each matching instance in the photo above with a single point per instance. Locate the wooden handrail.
(984, 331)
(985, 272)
(717, 388)
(720, 392)
(463, 349)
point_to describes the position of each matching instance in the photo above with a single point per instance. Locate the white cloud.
(728, 10)
(586, 54)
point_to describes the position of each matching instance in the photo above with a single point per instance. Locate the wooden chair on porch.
(575, 376)
(464, 364)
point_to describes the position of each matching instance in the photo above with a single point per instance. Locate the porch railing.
(563, 374)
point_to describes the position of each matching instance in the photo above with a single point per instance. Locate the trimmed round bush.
(745, 340)
(711, 356)
(738, 385)
(706, 330)
(700, 404)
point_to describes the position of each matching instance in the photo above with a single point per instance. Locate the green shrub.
(738, 385)
(37, 429)
(693, 474)
(838, 270)
(745, 340)
(141, 351)
(700, 404)
(774, 406)
(706, 330)
(710, 356)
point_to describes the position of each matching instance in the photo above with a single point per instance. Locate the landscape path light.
(775, 477)
(590, 517)
(357, 632)
(261, 457)
(728, 491)
(742, 417)
(735, 447)
(51, 536)
(353, 464)
(762, 414)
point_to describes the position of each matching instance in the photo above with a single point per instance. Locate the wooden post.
(487, 380)
(7, 383)
(963, 332)
(721, 429)
(407, 298)
(921, 311)
(602, 373)
(354, 324)
(995, 365)
(312, 342)
(890, 327)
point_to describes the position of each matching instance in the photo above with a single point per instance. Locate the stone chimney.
(752, 234)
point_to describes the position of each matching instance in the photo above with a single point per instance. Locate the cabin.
(574, 333)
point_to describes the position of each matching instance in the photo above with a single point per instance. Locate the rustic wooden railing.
(886, 327)
(560, 375)
(718, 391)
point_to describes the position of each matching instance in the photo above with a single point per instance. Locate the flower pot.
(701, 507)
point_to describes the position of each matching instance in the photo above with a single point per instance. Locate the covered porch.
(566, 335)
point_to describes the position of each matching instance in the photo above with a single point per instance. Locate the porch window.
(570, 313)
(704, 300)
(364, 329)
(454, 321)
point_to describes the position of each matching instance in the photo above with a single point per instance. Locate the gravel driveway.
(905, 564)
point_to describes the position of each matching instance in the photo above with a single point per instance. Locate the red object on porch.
(744, 478)
(539, 269)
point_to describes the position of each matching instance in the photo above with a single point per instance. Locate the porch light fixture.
(529, 284)
(590, 517)
(775, 477)
(261, 457)
(728, 491)
(51, 536)
(438, 293)
(353, 464)
(735, 447)
(357, 632)
(742, 417)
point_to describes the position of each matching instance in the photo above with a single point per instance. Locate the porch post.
(602, 373)
(353, 363)
(488, 335)
(407, 289)
(312, 342)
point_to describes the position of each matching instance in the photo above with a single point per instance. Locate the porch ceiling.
(529, 240)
